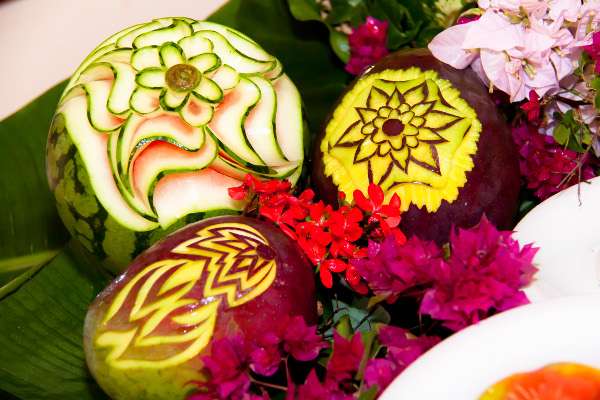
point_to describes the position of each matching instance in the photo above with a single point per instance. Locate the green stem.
(269, 385)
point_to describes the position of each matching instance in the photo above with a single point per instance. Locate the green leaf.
(13, 267)
(403, 24)
(564, 130)
(596, 83)
(41, 333)
(368, 339)
(305, 10)
(339, 44)
(360, 319)
(29, 223)
(353, 12)
(370, 394)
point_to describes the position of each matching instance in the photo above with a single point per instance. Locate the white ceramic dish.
(526, 338)
(566, 227)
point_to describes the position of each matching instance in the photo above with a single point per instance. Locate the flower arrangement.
(359, 251)
(543, 56)
(540, 64)
(352, 287)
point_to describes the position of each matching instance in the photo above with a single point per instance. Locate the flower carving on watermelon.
(167, 115)
(408, 131)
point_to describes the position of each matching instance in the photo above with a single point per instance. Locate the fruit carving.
(158, 122)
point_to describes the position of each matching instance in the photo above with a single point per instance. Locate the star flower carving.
(402, 128)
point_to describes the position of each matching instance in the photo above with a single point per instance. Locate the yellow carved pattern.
(406, 130)
(232, 262)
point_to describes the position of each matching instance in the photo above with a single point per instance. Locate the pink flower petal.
(447, 46)
(567, 9)
(495, 32)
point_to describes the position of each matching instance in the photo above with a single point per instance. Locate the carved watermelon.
(224, 276)
(158, 122)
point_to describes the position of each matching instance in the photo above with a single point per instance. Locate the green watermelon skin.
(85, 218)
(133, 155)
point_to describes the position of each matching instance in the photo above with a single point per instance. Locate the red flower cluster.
(330, 238)
(232, 360)
(546, 166)
(484, 274)
(367, 45)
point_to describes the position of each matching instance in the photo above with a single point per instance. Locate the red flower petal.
(326, 277)
(376, 195)
(335, 265)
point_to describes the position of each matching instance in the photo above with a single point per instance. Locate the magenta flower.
(300, 340)
(465, 19)
(392, 268)
(402, 350)
(227, 366)
(265, 356)
(594, 50)
(346, 357)
(545, 164)
(484, 275)
(367, 45)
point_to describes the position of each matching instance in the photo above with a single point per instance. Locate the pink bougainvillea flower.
(227, 365)
(300, 340)
(393, 268)
(484, 275)
(314, 389)
(545, 165)
(519, 45)
(367, 45)
(402, 350)
(346, 357)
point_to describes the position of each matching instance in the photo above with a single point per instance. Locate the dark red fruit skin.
(291, 293)
(492, 186)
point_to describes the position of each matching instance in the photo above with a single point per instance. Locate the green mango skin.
(492, 186)
(291, 293)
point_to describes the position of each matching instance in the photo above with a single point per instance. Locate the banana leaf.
(43, 308)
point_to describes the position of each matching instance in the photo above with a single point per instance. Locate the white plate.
(463, 366)
(566, 227)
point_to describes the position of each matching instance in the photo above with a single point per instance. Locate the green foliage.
(412, 23)
(571, 133)
(30, 230)
(41, 333)
(596, 87)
